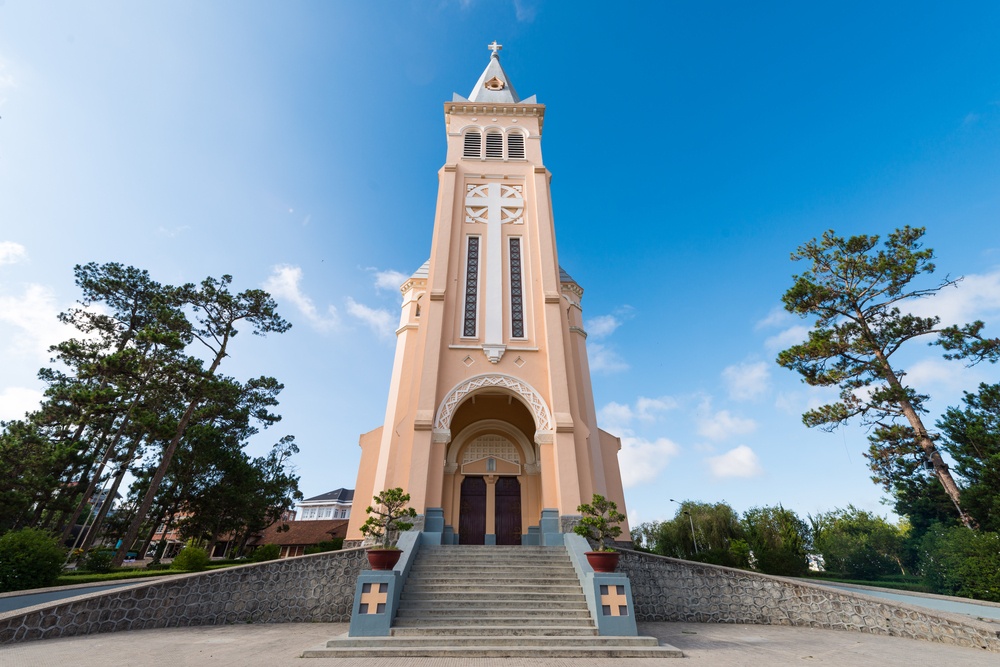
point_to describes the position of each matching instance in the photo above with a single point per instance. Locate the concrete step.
(486, 650)
(472, 640)
(445, 620)
(445, 577)
(486, 613)
(454, 631)
(547, 568)
(486, 590)
(445, 633)
(444, 596)
(473, 606)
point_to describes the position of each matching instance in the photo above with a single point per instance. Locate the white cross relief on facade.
(494, 205)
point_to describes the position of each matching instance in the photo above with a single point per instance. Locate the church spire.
(493, 85)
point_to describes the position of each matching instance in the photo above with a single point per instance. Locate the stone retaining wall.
(667, 589)
(317, 588)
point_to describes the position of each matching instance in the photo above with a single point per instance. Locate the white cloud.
(737, 462)
(604, 359)
(747, 381)
(172, 232)
(16, 401)
(927, 375)
(378, 320)
(976, 297)
(602, 326)
(722, 425)
(34, 317)
(524, 10)
(389, 279)
(284, 284)
(12, 253)
(619, 417)
(642, 460)
(790, 336)
(778, 317)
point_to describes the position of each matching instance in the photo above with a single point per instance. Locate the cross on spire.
(495, 48)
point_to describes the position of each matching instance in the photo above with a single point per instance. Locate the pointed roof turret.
(494, 85)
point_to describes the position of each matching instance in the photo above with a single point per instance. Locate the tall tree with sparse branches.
(854, 288)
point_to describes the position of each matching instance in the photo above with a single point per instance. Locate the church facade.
(490, 423)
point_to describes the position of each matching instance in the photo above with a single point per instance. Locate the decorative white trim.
(531, 398)
(505, 429)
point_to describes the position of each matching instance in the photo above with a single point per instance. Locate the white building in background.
(332, 505)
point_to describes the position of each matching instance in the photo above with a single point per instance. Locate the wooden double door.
(472, 523)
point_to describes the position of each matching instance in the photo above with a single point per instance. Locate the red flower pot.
(603, 561)
(383, 559)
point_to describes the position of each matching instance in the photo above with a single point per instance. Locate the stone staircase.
(493, 601)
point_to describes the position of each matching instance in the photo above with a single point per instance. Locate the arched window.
(494, 145)
(515, 146)
(473, 144)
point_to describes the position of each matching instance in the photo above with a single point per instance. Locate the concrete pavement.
(280, 645)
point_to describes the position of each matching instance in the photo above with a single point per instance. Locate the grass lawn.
(127, 573)
(895, 582)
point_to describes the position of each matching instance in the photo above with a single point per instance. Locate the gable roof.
(302, 532)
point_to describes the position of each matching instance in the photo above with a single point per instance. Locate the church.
(490, 423)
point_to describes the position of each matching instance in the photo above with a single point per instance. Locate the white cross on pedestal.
(494, 204)
(494, 47)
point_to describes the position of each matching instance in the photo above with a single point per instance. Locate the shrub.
(98, 561)
(153, 565)
(192, 559)
(265, 552)
(959, 561)
(29, 558)
(336, 544)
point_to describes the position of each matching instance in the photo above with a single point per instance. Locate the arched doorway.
(472, 516)
(508, 510)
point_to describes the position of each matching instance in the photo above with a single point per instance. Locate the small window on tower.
(473, 144)
(515, 146)
(494, 145)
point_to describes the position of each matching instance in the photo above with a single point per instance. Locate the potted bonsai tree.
(600, 524)
(384, 523)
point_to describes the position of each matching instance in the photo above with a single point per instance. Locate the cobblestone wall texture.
(317, 588)
(666, 589)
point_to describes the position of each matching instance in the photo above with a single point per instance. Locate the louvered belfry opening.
(515, 146)
(473, 144)
(494, 145)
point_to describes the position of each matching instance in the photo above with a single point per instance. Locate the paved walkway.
(280, 645)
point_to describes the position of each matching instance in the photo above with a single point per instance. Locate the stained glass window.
(471, 287)
(516, 291)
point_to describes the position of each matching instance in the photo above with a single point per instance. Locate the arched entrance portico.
(491, 479)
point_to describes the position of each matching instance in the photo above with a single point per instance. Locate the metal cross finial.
(495, 48)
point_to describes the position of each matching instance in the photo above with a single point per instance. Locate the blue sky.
(296, 145)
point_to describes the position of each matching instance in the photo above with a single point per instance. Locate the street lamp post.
(693, 538)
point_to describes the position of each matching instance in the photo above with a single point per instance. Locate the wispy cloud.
(604, 359)
(747, 381)
(34, 318)
(977, 296)
(16, 401)
(388, 279)
(603, 326)
(722, 425)
(172, 232)
(525, 10)
(380, 321)
(642, 460)
(737, 462)
(284, 284)
(778, 317)
(12, 253)
(790, 336)
(620, 417)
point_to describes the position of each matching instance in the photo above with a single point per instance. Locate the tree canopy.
(854, 289)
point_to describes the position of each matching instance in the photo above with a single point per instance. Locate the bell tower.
(490, 423)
